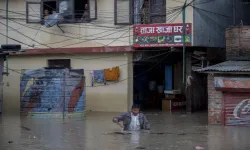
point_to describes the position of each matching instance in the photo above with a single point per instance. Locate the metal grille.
(237, 109)
(52, 92)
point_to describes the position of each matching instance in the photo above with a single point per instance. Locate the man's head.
(86, 6)
(46, 12)
(135, 109)
(53, 12)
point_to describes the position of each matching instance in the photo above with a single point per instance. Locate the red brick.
(214, 103)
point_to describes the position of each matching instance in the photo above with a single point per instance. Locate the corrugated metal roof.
(229, 66)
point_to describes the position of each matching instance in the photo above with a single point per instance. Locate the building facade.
(98, 34)
(228, 82)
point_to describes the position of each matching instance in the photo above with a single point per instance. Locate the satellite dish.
(52, 20)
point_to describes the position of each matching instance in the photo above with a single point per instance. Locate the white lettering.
(178, 29)
(160, 29)
(169, 29)
(166, 29)
(145, 30)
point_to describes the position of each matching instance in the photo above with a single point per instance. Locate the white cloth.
(134, 124)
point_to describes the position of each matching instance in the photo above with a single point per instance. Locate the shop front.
(158, 65)
(236, 99)
(229, 93)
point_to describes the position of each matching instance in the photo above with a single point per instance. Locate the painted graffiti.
(223, 82)
(237, 109)
(52, 90)
(242, 110)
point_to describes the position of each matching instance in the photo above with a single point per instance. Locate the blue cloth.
(52, 20)
(99, 77)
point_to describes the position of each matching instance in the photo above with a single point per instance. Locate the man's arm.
(120, 118)
(146, 125)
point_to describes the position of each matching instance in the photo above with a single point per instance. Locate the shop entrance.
(148, 87)
(156, 78)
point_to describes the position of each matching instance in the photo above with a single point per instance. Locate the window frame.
(95, 18)
(27, 12)
(131, 12)
(151, 15)
(131, 6)
(67, 60)
(57, 10)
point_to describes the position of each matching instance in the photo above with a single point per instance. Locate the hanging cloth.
(112, 74)
(98, 76)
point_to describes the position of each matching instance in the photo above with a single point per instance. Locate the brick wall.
(214, 102)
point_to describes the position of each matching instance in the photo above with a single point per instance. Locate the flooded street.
(97, 132)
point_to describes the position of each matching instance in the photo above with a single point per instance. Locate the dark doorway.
(50, 6)
(80, 8)
(147, 86)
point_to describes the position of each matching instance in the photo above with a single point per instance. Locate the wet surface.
(97, 132)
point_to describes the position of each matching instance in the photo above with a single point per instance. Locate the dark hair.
(135, 106)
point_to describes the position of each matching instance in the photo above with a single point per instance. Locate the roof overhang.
(221, 72)
(76, 50)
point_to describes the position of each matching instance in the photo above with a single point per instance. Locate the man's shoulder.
(126, 114)
(141, 114)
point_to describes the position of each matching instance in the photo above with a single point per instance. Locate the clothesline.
(104, 75)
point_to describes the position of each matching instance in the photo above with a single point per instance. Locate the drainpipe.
(234, 12)
(184, 42)
(7, 33)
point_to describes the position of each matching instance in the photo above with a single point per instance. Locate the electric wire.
(30, 46)
(212, 23)
(122, 80)
(56, 34)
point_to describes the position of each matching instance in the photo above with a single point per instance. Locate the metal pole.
(64, 96)
(7, 17)
(234, 12)
(7, 32)
(184, 43)
(7, 65)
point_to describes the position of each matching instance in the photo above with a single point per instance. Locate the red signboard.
(161, 35)
(177, 104)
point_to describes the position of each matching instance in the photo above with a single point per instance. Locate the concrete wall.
(215, 99)
(100, 32)
(174, 12)
(211, 18)
(112, 98)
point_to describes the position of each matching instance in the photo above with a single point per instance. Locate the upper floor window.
(59, 63)
(61, 11)
(139, 11)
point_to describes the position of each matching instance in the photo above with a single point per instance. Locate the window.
(157, 11)
(85, 10)
(33, 12)
(59, 63)
(69, 11)
(139, 11)
(122, 13)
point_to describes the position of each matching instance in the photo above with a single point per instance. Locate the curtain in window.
(137, 11)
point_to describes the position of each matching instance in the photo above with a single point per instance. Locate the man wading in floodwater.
(134, 120)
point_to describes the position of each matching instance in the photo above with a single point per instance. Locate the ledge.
(80, 50)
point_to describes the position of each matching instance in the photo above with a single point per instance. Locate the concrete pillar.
(188, 89)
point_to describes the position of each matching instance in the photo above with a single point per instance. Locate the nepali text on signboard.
(161, 35)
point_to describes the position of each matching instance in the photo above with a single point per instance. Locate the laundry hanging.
(98, 76)
(112, 74)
